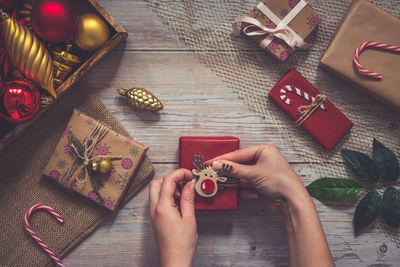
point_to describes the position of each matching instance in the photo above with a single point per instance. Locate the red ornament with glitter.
(53, 20)
(20, 101)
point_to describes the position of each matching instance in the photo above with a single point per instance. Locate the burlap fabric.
(205, 26)
(22, 185)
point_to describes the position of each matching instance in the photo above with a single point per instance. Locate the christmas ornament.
(28, 53)
(103, 165)
(53, 20)
(20, 100)
(140, 98)
(24, 12)
(206, 185)
(63, 61)
(34, 236)
(7, 4)
(5, 62)
(91, 32)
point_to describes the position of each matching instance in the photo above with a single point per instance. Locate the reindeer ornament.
(206, 185)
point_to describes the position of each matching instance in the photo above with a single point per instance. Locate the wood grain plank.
(196, 102)
(251, 236)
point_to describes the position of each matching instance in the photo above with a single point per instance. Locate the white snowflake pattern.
(122, 180)
(134, 151)
(61, 164)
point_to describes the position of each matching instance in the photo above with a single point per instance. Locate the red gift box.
(327, 124)
(209, 148)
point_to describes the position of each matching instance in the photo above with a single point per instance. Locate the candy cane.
(357, 53)
(37, 239)
(294, 90)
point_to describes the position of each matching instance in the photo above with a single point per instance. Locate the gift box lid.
(366, 22)
(327, 125)
(209, 147)
(125, 155)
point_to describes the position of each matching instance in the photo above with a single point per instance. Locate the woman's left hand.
(175, 231)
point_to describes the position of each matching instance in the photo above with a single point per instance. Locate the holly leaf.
(386, 161)
(366, 211)
(362, 165)
(334, 189)
(391, 207)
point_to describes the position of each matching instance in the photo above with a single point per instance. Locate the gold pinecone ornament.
(28, 53)
(140, 98)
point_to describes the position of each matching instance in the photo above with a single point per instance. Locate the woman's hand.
(175, 232)
(266, 170)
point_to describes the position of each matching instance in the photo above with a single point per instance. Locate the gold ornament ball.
(105, 166)
(91, 32)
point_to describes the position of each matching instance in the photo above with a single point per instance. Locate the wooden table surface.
(198, 102)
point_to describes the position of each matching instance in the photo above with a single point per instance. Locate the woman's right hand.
(266, 170)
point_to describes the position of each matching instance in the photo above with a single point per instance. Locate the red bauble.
(20, 101)
(7, 4)
(53, 20)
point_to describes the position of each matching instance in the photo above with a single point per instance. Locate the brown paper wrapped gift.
(367, 22)
(303, 24)
(125, 155)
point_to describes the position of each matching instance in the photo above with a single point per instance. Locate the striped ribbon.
(358, 51)
(37, 239)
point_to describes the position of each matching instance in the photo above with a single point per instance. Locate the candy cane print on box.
(287, 100)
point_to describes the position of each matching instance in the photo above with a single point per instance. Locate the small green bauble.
(104, 166)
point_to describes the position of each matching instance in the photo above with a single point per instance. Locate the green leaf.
(362, 165)
(391, 207)
(97, 185)
(75, 141)
(386, 161)
(366, 211)
(334, 189)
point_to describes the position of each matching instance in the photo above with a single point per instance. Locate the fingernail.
(216, 165)
(192, 184)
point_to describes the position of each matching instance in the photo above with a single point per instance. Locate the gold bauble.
(28, 53)
(104, 165)
(91, 32)
(140, 98)
(95, 165)
(63, 62)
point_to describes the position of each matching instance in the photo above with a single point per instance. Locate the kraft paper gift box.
(302, 24)
(209, 148)
(366, 22)
(125, 154)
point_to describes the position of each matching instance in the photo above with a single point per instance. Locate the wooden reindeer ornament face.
(206, 185)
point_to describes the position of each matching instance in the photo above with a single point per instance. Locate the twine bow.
(282, 31)
(307, 111)
(84, 157)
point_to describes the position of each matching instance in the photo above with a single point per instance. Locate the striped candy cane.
(358, 51)
(37, 239)
(294, 90)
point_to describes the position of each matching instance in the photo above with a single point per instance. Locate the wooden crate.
(8, 132)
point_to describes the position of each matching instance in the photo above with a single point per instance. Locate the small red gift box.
(326, 124)
(209, 148)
